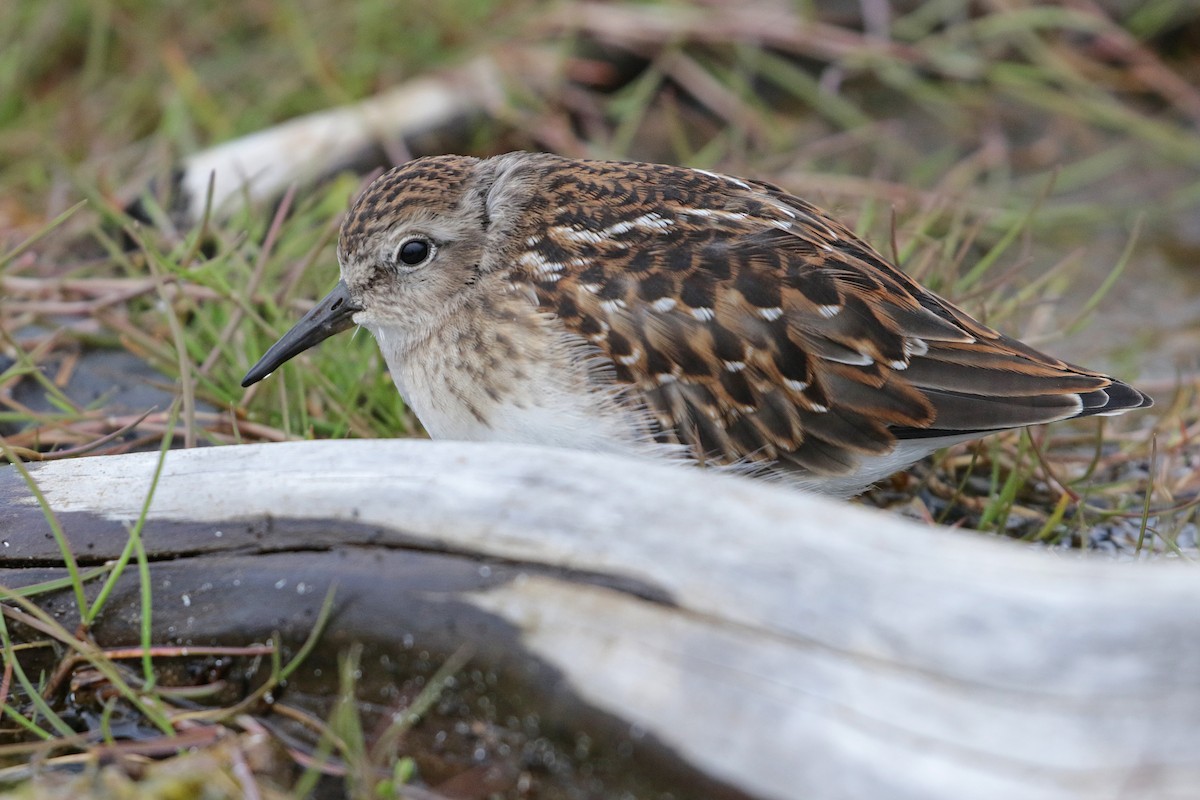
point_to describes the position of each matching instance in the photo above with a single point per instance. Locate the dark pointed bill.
(332, 315)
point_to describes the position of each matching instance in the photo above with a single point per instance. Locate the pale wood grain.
(810, 648)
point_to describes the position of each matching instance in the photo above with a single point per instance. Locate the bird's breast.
(520, 382)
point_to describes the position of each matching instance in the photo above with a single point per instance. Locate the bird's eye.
(414, 251)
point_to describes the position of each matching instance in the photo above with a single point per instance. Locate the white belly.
(557, 424)
(551, 403)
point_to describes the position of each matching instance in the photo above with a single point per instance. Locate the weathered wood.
(442, 107)
(786, 645)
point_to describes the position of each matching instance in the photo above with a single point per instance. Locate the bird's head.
(411, 250)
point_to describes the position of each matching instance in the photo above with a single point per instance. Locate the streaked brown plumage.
(609, 305)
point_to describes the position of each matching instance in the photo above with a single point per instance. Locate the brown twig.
(629, 26)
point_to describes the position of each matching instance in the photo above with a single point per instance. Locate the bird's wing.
(756, 328)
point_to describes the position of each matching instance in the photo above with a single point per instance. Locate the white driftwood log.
(261, 166)
(810, 648)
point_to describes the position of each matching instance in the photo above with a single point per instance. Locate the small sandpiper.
(679, 313)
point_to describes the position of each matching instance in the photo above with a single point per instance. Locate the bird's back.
(757, 329)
